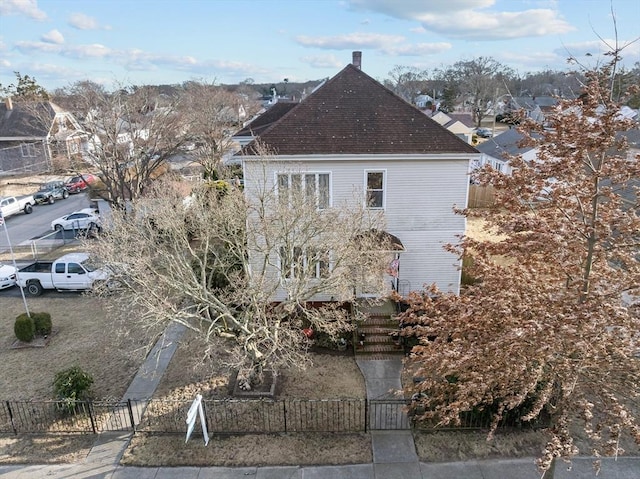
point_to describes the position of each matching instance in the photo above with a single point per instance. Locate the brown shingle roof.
(354, 114)
(268, 118)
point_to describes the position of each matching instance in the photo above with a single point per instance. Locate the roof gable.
(33, 119)
(354, 114)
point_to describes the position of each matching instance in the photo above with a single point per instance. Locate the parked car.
(72, 271)
(11, 205)
(51, 191)
(484, 132)
(79, 183)
(7, 276)
(87, 218)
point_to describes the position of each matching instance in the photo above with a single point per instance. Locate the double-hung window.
(28, 150)
(299, 263)
(315, 187)
(375, 182)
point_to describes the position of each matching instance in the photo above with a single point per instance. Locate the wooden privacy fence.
(224, 416)
(480, 196)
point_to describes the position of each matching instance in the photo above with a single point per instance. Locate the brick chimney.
(357, 60)
(8, 103)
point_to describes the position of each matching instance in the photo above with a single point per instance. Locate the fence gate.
(388, 414)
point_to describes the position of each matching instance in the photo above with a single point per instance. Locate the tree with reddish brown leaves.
(548, 328)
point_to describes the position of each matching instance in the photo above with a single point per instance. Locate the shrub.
(324, 340)
(24, 328)
(72, 385)
(42, 323)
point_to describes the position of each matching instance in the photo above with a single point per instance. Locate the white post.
(13, 259)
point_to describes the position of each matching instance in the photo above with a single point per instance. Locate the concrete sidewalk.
(394, 455)
(623, 468)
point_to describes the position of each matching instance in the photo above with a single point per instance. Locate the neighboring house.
(126, 135)
(33, 134)
(354, 135)
(535, 107)
(423, 101)
(495, 151)
(460, 124)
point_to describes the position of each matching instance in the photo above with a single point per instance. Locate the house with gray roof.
(496, 151)
(459, 123)
(534, 107)
(354, 135)
(33, 134)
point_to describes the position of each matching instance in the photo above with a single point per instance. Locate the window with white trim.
(375, 189)
(299, 263)
(314, 185)
(28, 150)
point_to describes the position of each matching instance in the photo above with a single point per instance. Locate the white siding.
(420, 195)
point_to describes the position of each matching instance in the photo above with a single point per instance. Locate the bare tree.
(477, 82)
(244, 268)
(408, 82)
(549, 327)
(212, 114)
(132, 133)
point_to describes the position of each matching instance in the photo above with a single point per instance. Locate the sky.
(137, 42)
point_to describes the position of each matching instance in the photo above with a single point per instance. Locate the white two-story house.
(353, 134)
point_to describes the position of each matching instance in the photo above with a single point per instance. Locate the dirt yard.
(86, 336)
(83, 335)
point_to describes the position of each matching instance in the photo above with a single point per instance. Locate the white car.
(78, 220)
(7, 276)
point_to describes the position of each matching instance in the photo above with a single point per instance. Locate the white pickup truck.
(71, 272)
(10, 205)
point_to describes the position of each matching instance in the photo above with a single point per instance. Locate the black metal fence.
(224, 416)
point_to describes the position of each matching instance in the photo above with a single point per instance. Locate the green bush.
(72, 385)
(42, 323)
(24, 328)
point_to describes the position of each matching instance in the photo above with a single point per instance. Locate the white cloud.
(5, 63)
(22, 7)
(94, 50)
(471, 19)
(27, 47)
(395, 45)
(408, 9)
(83, 22)
(419, 30)
(477, 25)
(78, 51)
(351, 40)
(54, 36)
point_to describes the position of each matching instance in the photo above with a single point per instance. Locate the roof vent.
(357, 60)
